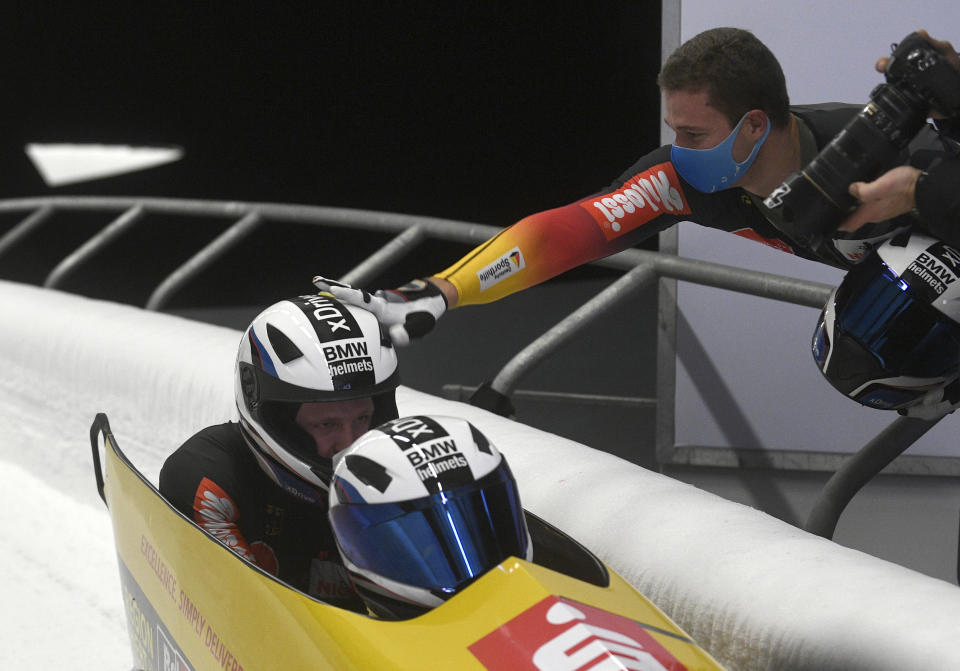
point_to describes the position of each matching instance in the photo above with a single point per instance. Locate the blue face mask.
(714, 169)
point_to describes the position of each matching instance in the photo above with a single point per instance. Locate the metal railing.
(641, 268)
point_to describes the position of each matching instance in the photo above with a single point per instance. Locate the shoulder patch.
(642, 198)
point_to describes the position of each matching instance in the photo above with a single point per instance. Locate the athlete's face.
(698, 125)
(335, 425)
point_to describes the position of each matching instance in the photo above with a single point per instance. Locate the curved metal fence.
(640, 269)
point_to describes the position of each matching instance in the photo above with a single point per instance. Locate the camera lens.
(868, 144)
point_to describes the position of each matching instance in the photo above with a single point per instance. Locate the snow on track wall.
(757, 593)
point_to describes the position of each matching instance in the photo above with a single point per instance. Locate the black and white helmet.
(889, 335)
(420, 507)
(301, 350)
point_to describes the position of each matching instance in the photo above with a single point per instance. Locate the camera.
(814, 201)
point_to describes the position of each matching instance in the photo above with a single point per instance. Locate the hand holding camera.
(888, 196)
(894, 192)
(922, 75)
(946, 50)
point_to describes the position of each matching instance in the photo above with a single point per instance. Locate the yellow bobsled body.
(191, 603)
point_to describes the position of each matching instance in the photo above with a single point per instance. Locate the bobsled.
(193, 604)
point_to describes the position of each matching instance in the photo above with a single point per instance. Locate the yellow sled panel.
(193, 604)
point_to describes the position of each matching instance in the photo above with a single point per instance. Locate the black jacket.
(215, 481)
(938, 199)
(735, 211)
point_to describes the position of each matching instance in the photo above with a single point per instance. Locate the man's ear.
(756, 123)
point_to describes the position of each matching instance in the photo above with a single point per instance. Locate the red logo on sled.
(561, 635)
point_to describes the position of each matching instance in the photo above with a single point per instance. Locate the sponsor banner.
(644, 197)
(154, 649)
(562, 635)
(503, 267)
(329, 581)
(170, 657)
(346, 350)
(350, 373)
(932, 272)
(329, 318)
(431, 451)
(349, 364)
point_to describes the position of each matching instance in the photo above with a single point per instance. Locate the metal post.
(87, 250)
(202, 259)
(383, 257)
(25, 227)
(741, 280)
(860, 468)
(531, 355)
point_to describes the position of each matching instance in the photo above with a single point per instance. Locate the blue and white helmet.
(889, 335)
(302, 350)
(420, 507)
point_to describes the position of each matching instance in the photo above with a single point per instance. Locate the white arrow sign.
(61, 164)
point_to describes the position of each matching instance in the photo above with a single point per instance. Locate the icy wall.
(757, 593)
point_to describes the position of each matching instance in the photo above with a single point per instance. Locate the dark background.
(480, 112)
(477, 111)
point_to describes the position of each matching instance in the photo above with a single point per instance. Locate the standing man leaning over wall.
(737, 139)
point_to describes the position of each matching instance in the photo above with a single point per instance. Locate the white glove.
(935, 403)
(410, 311)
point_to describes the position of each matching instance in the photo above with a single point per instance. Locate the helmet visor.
(439, 542)
(906, 337)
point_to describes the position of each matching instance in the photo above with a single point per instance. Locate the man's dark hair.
(736, 69)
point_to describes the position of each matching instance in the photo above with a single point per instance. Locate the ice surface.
(756, 592)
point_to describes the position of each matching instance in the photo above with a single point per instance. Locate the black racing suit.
(214, 479)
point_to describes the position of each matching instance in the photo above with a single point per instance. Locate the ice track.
(757, 593)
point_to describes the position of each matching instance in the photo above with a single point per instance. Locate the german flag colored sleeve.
(548, 243)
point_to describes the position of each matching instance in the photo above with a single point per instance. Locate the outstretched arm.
(647, 200)
(527, 253)
(548, 243)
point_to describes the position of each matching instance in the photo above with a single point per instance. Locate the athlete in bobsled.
(420, 507)
(411, 514)
(429, 523)
(889, 335)
(311, 376)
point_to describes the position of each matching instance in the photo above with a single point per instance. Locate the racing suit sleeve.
(197, 479)
(548, 243)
